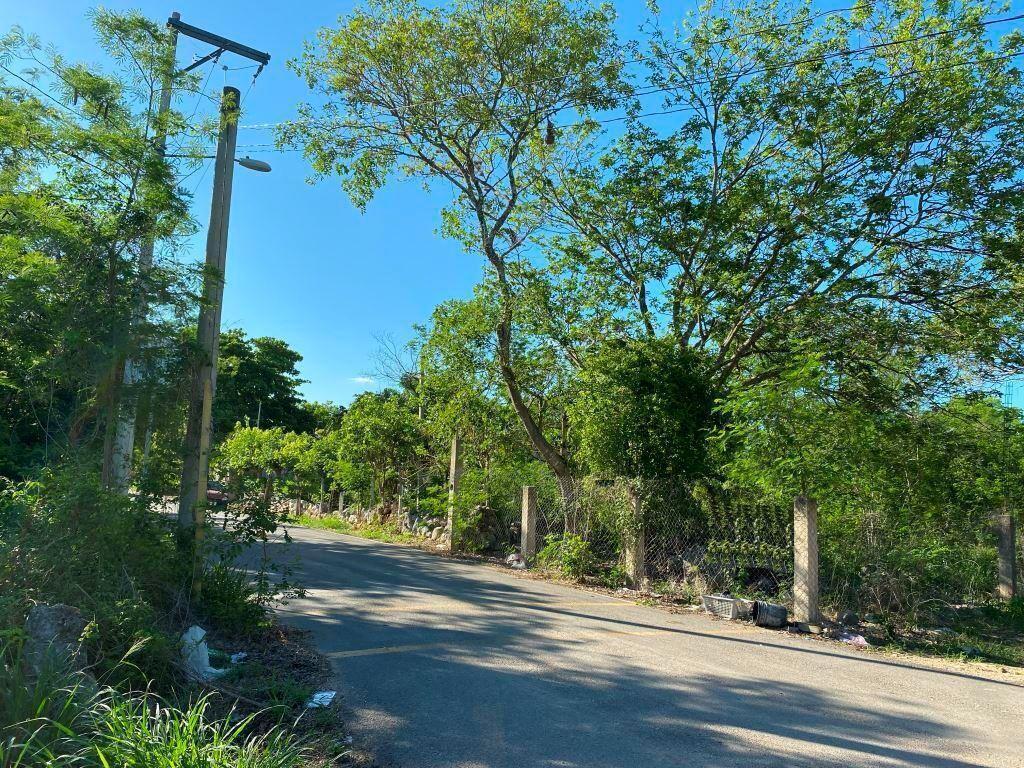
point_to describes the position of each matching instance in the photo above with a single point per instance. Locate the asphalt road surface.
(456, 664)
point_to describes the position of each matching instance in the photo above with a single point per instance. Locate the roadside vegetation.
(788, 266)
(81, 188)
(772, 251)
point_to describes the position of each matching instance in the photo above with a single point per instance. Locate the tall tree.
(463, 95)
(380, 430)
(847, 188)
(258, 378)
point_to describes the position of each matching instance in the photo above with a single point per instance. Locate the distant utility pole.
(124, 435)
(195, 470)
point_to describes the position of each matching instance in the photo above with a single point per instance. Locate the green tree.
(81, 186)
(643, 411)
(258, 377)
(381, 432)
(846, 191)
(460, 95)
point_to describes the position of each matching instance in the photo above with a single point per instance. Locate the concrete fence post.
(528, 534)
(454, 474)
(805, 561)
(634, 554)
(1006, 531)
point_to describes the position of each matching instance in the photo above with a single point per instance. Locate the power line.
(647, 92)
(619, 118)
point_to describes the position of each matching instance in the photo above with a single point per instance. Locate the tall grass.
(134, 732)
(62, 720)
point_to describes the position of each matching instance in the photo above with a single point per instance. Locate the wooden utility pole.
(195, 472)
(196, 465)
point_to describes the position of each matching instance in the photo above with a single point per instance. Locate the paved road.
(445, 663)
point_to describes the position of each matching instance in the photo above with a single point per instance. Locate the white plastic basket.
(721, 605)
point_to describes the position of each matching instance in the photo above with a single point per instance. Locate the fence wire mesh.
(684, 539)
(900, 556)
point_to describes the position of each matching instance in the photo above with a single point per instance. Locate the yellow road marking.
(454, 604)
(387, 649)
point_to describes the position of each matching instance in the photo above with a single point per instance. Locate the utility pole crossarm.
(224, 43)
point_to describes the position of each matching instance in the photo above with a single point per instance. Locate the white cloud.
(367, 380)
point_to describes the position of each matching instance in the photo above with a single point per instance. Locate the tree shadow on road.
(449, 664)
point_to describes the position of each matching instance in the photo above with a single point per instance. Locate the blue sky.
(303, 264)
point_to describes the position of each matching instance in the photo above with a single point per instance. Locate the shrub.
(229, 600)
(57, 721)
(570, 554)
(66, 539)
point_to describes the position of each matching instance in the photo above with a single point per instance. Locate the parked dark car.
(217, 495)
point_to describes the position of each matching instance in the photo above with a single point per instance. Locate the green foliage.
(905, 497)
(130, 732)
(494, 490)
(526, 55)
(230, 600)
(380, 431)
(53, 722)
(81, 185)
(643, 411)
(258, 377)
(570, 554)
(38, 716)
(491, 75)
(268, 684)
(66, 539)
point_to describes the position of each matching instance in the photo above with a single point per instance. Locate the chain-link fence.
(888, 560)
(904, 556)
(678, 538)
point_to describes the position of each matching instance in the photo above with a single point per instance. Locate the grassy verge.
(993, 632)
(64, 719)
(373, 531)
(66, 539)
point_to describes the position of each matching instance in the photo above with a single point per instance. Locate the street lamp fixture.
(246, 162)
(253, 164)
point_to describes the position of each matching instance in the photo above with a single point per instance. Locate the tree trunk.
(113, 397)
(550, 455)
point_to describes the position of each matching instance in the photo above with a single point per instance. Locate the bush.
(229, 600)
(64, 539)
(570, 554)
(58, 720)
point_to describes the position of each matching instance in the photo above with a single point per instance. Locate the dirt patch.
(280, 672)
